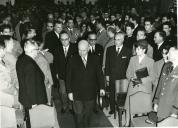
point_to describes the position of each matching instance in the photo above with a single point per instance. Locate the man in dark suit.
(96, 49)
(52, 38)
(117, 60)
(170, 36)
(52, 41)
(135, 20)
(148, 24)
(61, 56)
(159, 39)
(32, 89)
(84, 76)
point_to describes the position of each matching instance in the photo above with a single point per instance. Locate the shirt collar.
(119, 48)
(86, 57)
(101, 30)
(92, 47)
(66, 47)
(70, 29)
(159, 45)
(56, 34)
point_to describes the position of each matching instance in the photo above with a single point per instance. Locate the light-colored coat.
(7, 91)
(45, 68)
(10, 61)
(102, 38)
(146, 85)
(134, 65)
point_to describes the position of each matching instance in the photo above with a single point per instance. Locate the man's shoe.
(111, 112)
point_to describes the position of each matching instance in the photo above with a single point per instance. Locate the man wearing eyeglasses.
(117, 60)
(96, 49)
(32, 90)
(62, 53)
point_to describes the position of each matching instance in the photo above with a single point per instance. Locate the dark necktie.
(65, 51)
(93, 50)
(118, 51)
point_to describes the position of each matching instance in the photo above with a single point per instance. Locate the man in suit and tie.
(52, 41)
(96, 49)
(61, 56)
(52, 38)
(102, 37)
(159, 39)
(72, 31)
(84, 76)
(117, 60)
(32, 90)
(135, 20)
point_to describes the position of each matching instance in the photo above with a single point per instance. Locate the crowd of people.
(79, 52)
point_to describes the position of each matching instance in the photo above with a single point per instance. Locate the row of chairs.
(139, 121)
(41, 116)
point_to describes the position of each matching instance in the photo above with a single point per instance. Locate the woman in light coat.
(141, 60)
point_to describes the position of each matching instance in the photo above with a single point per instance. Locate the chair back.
(42, 116)
(168, 122)
(6, 99)
(140, 102)
(8, 118)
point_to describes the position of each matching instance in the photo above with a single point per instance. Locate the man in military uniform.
(166, 97)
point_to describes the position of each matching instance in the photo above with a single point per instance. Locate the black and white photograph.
(88, 63)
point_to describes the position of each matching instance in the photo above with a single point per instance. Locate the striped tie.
(84, 61)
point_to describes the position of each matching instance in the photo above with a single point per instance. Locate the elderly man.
(117, 61)
(84, 74)
(32, 89)
(61, 56)
(166, 97)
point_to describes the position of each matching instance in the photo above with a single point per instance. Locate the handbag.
(141, 73)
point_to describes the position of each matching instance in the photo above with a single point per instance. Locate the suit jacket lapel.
(121, 51)
(69, 50)
(81, 62)
(62, 50)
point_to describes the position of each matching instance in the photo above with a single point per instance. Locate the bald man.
(32, 90)
(84, 76)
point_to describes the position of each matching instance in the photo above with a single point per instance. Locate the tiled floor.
(138, 122)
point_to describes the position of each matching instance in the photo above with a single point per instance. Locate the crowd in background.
(120, 37)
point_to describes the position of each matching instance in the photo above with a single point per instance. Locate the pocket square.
(123, 57)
